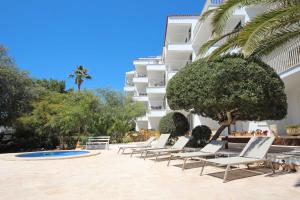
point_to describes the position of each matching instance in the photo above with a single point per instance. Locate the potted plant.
(293, 129)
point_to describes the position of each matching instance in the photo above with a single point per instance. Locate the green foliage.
(231, 83)
(260, 36)
(174, 123)
(292, 126)
(70, 116)
(52, 85)
(16, 91)
(80, 74)
(200, 136)
(118, 113)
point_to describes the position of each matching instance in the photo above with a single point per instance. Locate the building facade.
(184, 35)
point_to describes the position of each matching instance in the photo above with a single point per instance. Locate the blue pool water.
(51, 154)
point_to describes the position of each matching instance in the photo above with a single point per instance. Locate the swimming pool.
(47, 154)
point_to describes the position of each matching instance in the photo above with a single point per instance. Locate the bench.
(97, 141)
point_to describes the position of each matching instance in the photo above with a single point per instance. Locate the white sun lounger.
(160, 144)
(209, 150)
(255, 151)
(139, 145)
(177, 147)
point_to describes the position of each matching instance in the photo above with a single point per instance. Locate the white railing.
(284, 58)
(138, 75)
(129, 83)
(149, 60)
(156, 83)
(216, 2)
(176, 65)
(179, 38)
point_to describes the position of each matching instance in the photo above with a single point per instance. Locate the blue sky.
(49, 38)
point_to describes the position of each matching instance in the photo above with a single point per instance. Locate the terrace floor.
(119, 177)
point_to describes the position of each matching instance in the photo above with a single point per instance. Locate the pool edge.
(12, 157)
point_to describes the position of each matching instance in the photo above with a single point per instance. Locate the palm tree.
(80, 74)
(271, 29)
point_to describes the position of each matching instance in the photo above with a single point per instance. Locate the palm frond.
(206, 14)
(230, 44)
(222, 14)
(275, 42)
(204, 48)
(265, 25)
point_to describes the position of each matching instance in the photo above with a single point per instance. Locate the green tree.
(174, 123)
(118, 113)
(261, 35)
(17, 90)
(63, 115)
(80, 74)
(227, 89)
(52, 85)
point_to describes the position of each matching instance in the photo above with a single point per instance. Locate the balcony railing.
(216, 2)
(286, 57)
(156, 83)
(180, 38)
(176, 65)
(140, 75)
(129, 83)
(143, 94)
(157, 105)
(149, 60)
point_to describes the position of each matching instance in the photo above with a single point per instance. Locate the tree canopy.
(247, 88)
(16, 91)
(75, 114)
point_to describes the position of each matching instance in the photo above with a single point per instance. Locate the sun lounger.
(209, 150)
(255, 151)
(160, 144)
(139, 145)
(177, 147)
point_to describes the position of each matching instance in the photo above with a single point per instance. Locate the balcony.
(285, 58)
(140, 97)
(156, 67)
(147, 61)
(179, 38)
(176, 65)
(157, 83)
(140, 78)
(156, 109)
(180, 47)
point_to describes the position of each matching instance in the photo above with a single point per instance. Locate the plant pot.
(276, 165)
(297, 168)
(293, 131)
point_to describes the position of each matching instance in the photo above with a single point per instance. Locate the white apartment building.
(183, 37)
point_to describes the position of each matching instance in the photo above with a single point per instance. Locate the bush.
(200, 136)
(174, 123)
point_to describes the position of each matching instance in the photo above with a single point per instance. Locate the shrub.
(174, 123)
(200, 136)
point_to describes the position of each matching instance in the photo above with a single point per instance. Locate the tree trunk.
(219, 131)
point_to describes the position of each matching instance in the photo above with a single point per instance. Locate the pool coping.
(13, 156)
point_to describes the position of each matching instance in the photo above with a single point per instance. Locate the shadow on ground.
(235, 174)
(297, 183)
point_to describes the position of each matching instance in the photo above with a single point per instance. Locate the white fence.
(286, 57)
